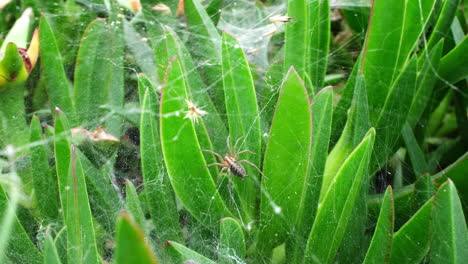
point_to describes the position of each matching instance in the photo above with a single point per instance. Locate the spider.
(231, 162)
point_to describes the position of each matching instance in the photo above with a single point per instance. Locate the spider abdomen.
(235, 167)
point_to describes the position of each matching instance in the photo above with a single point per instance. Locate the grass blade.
(133, 205)
(181, 254)
(158, 190)
(442, 26)
(379, 249)
(45, 182)
(426, 78)
(214, 10)
(411, 243)
(62, 153)
(104, 200)
(131, 244)
(15, 243)
(334, 212)
(322, 111)
(243, 118)
(386, 52)
(395, 112)
(452, 67)
(141, 51)
(340, 113)
(197, 91)
(286, 164)
(117, 86)
(450, 235)
(231, 242)
(50, 251)
(80, 229)
(418, 161)
(318, 19)
(206, 43)
(356, 126)
(424, 189)
(296, 38)
(191, 180)
(58, 87)
(92, 74)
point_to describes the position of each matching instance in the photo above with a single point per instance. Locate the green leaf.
(442, 26)
(296, 39)
(80, 231)
(450, 235)
(205, 48)
(15, 243)
(424, 189)
(393, 33)
(50, 251)
(104, 200)
(92, 74)
(418, 161)
(231, 242)
(426, 78)
(318, 20)
(357, 125)
(335, 209)
(394, 113)
(322, 111)
(411, 243)
(58, 87)
(181, 254)
(214, 10)
(113, 124)
(13, 130)
(141, 51)
(131, 244)
(191, 180)
(212, 122)
(45, 182)
(62, 155)
(158, 190)
(307, 40)
(379, 249)
(242, 113)
(457, 173)
(357, 18)
(286, 164)
(340, 113)
(452, 68)
(133, 205)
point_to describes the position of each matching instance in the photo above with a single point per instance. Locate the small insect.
(280, 18)
(194, 113)
(275, 20)
(231, 162)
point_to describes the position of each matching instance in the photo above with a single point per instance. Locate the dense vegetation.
(349, 120)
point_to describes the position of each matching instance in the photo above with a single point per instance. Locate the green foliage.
(372, 170)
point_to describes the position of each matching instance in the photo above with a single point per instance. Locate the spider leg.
(244, 151)
(234, 149)
(219, 174)
(213, 164)
(253, 165)
(214, 153)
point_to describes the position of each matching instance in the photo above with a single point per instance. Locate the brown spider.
(231, 161)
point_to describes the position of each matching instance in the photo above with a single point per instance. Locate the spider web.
(258, 36)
